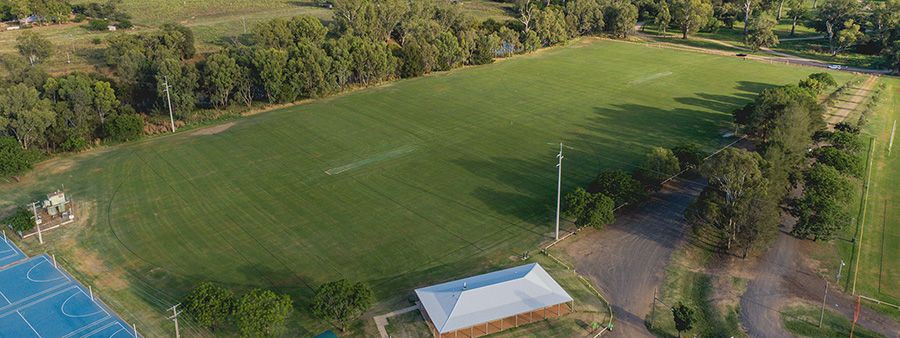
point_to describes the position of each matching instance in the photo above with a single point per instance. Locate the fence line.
(879, 301)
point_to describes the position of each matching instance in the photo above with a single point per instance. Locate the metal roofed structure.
(492, 302)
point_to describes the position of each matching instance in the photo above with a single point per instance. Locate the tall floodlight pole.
(558, 189)
(169, 98)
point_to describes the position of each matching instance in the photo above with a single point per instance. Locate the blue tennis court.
(40, 300)
(9, 253)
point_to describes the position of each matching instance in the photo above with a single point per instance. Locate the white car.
(834, 67)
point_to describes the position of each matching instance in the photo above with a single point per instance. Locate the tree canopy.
(210, 305)
(261, 313)
(594, 210)
(341, 301)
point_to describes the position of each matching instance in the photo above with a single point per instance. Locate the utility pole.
(822, 317)
(244, 22)
(174, 317)
(558, 189)
(34, 210)
(169, 98)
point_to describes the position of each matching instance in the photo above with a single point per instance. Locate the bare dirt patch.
(213, 130)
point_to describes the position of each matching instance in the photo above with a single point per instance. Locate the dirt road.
(627, 259)
(782, 276)
(846, 106)
(765, 295)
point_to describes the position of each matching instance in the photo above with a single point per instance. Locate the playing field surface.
(879, 272)
(393, 184)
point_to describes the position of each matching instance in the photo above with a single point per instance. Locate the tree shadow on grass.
(755, 87)
(524, 198)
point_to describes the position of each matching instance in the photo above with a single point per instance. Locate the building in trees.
(492, 302)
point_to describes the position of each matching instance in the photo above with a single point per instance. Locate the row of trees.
(261, 313)
(370, 41)
(257, 313)
(827, 189)
(46, 12)
(871, 27)
(746, 188)
(614, 188)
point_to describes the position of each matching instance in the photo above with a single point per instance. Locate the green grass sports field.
(879, 271)
(400, 185)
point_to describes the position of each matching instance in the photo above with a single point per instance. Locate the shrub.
(845, 141)
(619, 186)
(125, 127)
(13, 159)
(97, 25)
(125, 24)
(845, 163)
(79, 18)
(75, 144)
(20, 220)
(689, 155)
(96, 41)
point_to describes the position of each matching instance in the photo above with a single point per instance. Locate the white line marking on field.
(29, 324)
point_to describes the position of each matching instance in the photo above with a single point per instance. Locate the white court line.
(4, 297)
(62, 308)
(104, 327)
(96, 302)
(28, 274)
(29, 324)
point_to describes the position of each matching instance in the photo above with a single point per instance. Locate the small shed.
(111, 28)
(56, 198)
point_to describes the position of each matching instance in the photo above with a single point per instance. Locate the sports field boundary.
(861, 224)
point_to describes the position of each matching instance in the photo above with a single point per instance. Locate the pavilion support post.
(517, 321)
(558, 307)
(501, 324)
(531, 317)
(472, 331)
(545, 313)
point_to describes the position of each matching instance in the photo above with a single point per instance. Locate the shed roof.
(492, 296)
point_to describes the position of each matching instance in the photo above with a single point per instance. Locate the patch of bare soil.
(88, 262)
(214, 129)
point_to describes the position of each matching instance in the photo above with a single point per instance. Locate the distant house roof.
(475, 300)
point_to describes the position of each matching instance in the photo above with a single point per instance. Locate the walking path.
(381, 321)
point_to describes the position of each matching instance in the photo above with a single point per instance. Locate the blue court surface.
(39, 300)
(9, 253)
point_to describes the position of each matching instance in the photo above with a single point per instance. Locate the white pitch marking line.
(29, 324)
(4, 297)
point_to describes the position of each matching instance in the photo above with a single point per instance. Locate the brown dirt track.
(627, 259)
